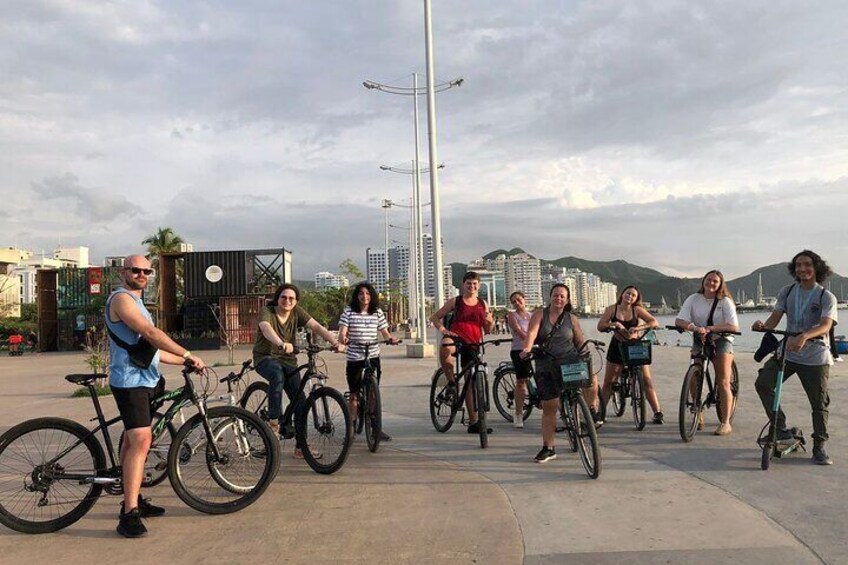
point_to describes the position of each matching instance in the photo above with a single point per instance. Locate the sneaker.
(147, 510)
(820, 456)
(384, 437)
(723, 430)
(658, 418)
(298, 453)
(518, 420)
(475, 428)
(546, 454)
(130, 524)
(596, 418)
(450, 392)
(785, 435)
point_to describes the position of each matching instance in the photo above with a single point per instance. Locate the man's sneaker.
(147, 510)
(546, 454)
(518, 420)
(658, 418)
(130, 524)
(298, 453)
(384, 437)
(723, 430)
(596, 418)
(820, 456)
(475, 428)
(450, 392)
(785, 435)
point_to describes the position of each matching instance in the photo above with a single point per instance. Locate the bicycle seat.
(85, 379)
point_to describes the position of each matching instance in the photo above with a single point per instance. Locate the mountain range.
(655, 285)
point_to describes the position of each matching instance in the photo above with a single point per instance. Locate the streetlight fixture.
(386, 204)
(415, 91)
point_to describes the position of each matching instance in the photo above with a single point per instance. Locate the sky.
(676, 135)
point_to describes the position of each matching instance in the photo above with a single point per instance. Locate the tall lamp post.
(386, 204)
(417, 249)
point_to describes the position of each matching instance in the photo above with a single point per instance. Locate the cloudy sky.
(676, 135)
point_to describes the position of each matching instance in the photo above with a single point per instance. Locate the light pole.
(415, 91)
(386, 204)
(417, 250)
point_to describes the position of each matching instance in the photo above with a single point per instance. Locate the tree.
(349, 269)
(165, 240)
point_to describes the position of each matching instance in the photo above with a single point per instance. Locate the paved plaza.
(438, 498)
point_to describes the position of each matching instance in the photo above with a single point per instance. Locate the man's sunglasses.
(139, 270)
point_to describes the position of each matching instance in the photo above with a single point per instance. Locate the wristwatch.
(187, 354)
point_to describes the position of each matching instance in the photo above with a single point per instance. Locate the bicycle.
(630, 384)
(578, 424)
(323, 427)
(369, 412)
(692, 402)
(503, 384)
(769, 443)
(61, 466)
(444, 400)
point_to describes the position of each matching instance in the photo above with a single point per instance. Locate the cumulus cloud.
(95, 205)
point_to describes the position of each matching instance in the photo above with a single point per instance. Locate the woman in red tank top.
(471, 319)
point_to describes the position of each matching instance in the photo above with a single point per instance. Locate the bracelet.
(187, 354)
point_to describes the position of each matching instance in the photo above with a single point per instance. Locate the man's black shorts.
(134, 404)
(354, 373)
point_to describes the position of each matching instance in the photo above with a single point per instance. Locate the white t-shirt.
(362, 328)
(696, 309)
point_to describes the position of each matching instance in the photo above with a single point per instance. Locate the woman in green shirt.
(273, 354)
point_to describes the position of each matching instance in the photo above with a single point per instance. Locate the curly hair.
(823, 270)
(355, 306)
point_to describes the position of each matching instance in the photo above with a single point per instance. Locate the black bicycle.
(630, 384)
(323, 427)
(505, 381)
(693, 403)
(577, 421)
(53, 470)
(369, 407)
(768, 441)
(446, 401)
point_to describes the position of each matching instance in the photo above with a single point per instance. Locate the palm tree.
(165, 240)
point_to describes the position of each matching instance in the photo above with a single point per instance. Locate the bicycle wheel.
(36, 497)
(480, 405)
(443, 406)
(247, 462)
(373, 414)
(503, 388)
(568, 423)
(156, 464)
(323, 430)
(691, 406)
(637, 396)
(619, 395)
(255, 399)
(587, 437)
(734, 390)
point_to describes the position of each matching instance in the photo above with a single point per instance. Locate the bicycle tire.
(156, 464)
(619, 395)
(480, 405)
(442, 409)
(373, 412)
(691, 404)
(255, 399)
(637, 397)
(250, 459)
(734, 390)
(324, 429)
(503, 388)
(24, 448)
(568, 423)
(587, 437)
(765, 459)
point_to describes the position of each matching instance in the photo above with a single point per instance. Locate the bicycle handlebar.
(458, 341)
(777, 332)
(232, 377)
(681, 330)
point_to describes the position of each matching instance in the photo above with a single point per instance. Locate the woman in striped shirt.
(362, 322)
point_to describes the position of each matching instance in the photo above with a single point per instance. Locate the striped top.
(362, 328)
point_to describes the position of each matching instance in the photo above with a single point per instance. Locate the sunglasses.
(139, 271)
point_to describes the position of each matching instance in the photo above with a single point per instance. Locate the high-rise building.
(430, 268)
(72, 256)
(524, 273)
(325, 280)
(447, 281)
(375, 267)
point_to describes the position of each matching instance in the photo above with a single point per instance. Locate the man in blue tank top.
(133, 386)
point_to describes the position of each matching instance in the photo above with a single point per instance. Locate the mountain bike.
(635, 353)
(692, 399)
(369, 409)
(504, 382)
(578, 424)
(768, 441)
(323, 426)
(446, 401)
(53, 469)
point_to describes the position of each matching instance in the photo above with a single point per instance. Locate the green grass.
(98, 389)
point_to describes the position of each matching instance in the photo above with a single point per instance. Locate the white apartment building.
(376, 268)
(524, 273)
(72, 256)
(325, 280)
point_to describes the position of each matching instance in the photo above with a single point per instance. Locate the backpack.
(832, 333)
(450, 317)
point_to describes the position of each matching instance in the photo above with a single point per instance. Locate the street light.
(386, 204)
(415, 91)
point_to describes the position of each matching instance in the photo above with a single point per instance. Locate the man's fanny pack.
(141, 354)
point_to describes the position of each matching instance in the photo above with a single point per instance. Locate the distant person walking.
(712, 310)
(519, 323)
(811, 310)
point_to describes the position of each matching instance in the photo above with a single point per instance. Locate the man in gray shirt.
(811, 310)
